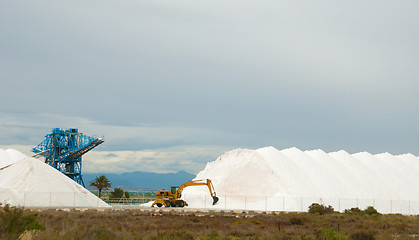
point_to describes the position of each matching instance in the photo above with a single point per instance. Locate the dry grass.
(141, 224)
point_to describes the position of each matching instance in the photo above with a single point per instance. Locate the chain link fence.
(51, 199)
(300, 204)
(203, 201)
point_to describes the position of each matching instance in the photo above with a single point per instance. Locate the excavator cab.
(173, 189)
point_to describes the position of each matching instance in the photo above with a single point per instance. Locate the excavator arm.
(201, 182)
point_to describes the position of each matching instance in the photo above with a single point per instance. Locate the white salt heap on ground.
(26, 181)
(10, 156)
(291, 179)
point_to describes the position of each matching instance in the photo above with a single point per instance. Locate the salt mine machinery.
(63, 150)
(172, 198)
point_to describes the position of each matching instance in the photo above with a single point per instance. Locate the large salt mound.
(26, 181)
(10, 156)
(291, 179)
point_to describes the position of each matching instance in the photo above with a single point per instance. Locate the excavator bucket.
(214, 200)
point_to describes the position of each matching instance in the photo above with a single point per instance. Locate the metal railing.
(127, 201)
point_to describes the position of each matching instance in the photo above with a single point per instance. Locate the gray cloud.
(157, 75)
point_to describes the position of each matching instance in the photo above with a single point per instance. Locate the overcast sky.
(171, 85)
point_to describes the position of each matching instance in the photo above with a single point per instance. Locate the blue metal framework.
(63, 150)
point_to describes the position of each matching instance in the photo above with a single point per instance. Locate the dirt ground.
(195, 224)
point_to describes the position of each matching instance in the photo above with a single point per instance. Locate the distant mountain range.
(142, 181)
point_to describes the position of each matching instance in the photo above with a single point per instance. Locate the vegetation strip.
(141, 224)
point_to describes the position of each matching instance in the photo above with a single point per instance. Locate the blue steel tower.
(63, 150)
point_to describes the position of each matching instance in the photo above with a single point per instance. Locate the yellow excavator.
(172, 198)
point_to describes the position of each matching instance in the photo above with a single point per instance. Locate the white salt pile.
(291, 179)
(26, 181)
(10, 156)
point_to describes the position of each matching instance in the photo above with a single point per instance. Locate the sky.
(172, 85)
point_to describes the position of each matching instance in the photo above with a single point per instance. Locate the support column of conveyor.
(63, 150)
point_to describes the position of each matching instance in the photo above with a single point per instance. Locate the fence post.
(357, 203)
(266, 203)
(391, 206)
(225, 202)
(245, 202)
(24, 199)
(409, 206)
(283, 203)
(339, 204)
(301, 203)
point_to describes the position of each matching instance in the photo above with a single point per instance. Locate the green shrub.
(116, 193)
(370, 210)
(102, 233)
(328, 233)
(320, 209)
(362, 235)
(353, 210)
(14, 221)
(212, 235)
(296, 221)
(255, 222)
(178, 235)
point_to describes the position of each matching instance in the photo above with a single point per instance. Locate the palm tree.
(102, 183)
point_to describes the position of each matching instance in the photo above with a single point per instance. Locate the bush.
(102, 233)
(181, 235)
(14, 221)
(353, 211)
(370, 210)
(296, 221)
(255, 222)
(328, 233)
(117, 193)
(320, 209)
(362, 235)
